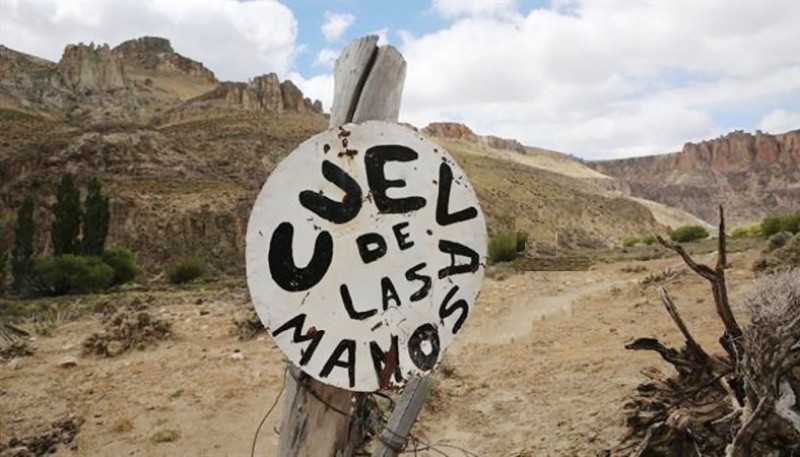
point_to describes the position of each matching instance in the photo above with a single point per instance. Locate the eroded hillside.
(753, 175)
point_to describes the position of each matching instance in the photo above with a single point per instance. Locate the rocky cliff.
(264, 93)
(753, 175)
(156, 54)
(142, 80)
(89, 69)
(456, 131)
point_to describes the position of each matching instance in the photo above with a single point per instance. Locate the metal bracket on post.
(394, 436)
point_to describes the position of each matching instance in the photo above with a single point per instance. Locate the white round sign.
(366, 249)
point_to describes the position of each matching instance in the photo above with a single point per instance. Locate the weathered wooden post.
(368, 85)
(394, 248)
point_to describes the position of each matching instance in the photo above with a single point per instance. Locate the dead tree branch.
(716, 277)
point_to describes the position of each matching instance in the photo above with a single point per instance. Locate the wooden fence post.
(368, 86)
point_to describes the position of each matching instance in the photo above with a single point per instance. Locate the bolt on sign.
(366, 249)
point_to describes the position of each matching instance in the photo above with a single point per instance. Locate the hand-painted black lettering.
(375, 159)
(312, 334)
(347, 300)
(402, 238)
(443, 215)
(413, 275)
(384, 361)
(458, 249)
(446, 310)
(348, 346)
(371, 246)
(389, 293)
(331, 210)
(423, 347)
(281, 260)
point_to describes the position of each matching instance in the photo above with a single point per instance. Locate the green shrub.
(689, 233)
(71, 274)
(778, 241)
(744, 231)
(649, 240)
(783, 258)
(185, 269)
(628, 241)
(790, 223)
(123, 262)
(503, 247)
(770, 226)
(522, 241)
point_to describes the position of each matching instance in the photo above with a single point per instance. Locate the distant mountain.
(753, 175)
(140, 80)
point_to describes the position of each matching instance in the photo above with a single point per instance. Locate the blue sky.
(594, 78)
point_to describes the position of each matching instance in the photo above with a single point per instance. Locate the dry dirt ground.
(540, 370)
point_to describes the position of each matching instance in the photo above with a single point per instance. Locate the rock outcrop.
(89, 68)
(156, 54)
(456, 131)
(138, 81)
(264, 93)
(753, 175)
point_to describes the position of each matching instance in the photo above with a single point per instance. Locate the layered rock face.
(753, 175)
(156, 54)
(136, 81)
(91, 68)
(264, 93)
(456, 131)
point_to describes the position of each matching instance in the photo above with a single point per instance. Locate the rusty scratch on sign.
(388, 369)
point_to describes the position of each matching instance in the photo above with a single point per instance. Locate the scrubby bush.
(71, 274)
(185, 269)
(778, 241)
(628, 241)
(790, 223)
(126, 330)
(744, 231)
(123, 262)
(783, 258)
(649, 240)
(770, 226)
(503, 247)
(689, 233)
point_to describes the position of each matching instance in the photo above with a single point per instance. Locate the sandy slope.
(539, 370)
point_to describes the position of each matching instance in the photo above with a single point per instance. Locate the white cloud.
(336, 24)
(383, 36)
(236, 40)
(780, 121)
(455, 8)
(326, 57)
(603, 79)
(318, 87)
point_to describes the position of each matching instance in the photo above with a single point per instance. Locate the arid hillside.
(183, 156)
(753, 175)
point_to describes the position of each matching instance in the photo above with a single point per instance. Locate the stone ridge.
(753, 175)
(457, 131)
(88, 67)
(264, 93)
(156, 54)
(94, 83)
